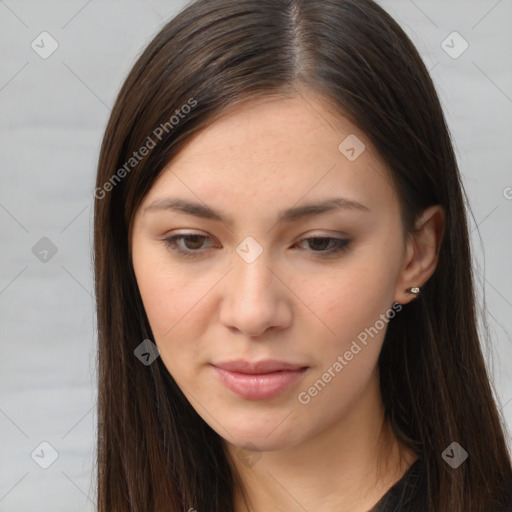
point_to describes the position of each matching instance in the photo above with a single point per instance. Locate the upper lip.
(256, 367)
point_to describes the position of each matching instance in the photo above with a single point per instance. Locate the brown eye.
(187, 244)
(193, 241)
(319, 244)
(324, 245)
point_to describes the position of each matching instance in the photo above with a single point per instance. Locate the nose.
(255, 300)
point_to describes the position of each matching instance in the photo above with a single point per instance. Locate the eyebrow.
(289, 215)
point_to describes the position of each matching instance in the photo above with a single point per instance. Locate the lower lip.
(258, 386)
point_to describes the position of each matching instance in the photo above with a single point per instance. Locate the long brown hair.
(155, 452)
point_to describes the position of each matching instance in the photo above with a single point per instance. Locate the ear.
(422, 252)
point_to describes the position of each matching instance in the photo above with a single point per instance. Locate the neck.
(345, 468)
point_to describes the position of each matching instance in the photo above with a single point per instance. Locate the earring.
(414, 290)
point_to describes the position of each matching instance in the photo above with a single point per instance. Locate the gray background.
(53, 113)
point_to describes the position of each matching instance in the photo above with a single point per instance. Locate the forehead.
(273, 152)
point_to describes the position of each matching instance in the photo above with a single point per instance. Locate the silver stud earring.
(414, 290)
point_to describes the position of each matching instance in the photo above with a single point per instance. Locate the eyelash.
(172, 243)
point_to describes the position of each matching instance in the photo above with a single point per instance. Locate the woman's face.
(274, 237)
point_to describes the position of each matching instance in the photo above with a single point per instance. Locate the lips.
(258, 380)
(258, 367)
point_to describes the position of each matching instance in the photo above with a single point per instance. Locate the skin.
(293, 303)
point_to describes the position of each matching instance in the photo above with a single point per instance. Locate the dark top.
(409, 494)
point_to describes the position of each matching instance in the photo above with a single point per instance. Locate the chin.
(258, 442)
(264, 432)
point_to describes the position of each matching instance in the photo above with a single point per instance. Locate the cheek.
(346, 354)
(167, 294)
(347, 298)
(166, 301)
(163, 294)
(349, 309)
(159, 296)
(177, 306)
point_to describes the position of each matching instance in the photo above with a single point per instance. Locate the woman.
(284, 296)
